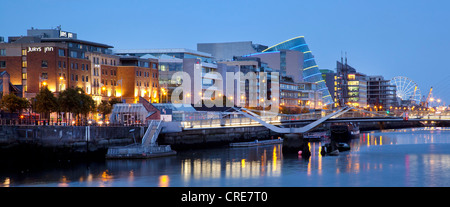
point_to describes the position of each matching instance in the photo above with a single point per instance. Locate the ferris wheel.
(406, 89)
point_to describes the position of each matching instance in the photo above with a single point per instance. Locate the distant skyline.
(388, 38)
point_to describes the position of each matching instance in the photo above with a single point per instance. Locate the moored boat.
(137, 151)
(257, 143)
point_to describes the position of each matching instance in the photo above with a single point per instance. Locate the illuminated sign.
(39, 49)
(65, 34)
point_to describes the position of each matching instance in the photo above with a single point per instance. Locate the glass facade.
(311, 72)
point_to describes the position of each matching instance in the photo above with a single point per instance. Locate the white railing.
(148, 132)
(156, 134)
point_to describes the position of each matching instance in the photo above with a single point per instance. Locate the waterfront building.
(227, 50)
(57, 59)
(6, 87)
(192, 62)
(50, 58)
(247, 93)
(311, 71)
(350, 87)
(380, 92)
(136, 78)
(287, 62)
(294, 94)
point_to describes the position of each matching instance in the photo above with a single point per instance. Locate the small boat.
(334, 149)
(137, 151)
(344, 131)
(315, 136)
(257, 143)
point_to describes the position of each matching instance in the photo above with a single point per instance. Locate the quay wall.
(202, 138)
(69, 138)
(73, 139)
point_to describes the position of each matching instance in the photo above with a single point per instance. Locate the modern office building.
(311, 71)
(380, 92)
(254, 87)
(350, 86)
(294, 94)
(288, 62)
(227, 50)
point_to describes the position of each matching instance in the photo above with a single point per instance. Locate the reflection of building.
(311, 71)
(265, 161)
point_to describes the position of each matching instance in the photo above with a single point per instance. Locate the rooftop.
(167, 50)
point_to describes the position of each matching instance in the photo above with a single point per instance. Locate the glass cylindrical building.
(311, 72)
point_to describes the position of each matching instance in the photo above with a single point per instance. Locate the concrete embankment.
(35, 140)
(213, 137)
(70, 140)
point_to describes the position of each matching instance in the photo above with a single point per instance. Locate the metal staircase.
(151, 135)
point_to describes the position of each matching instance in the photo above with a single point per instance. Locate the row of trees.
(71, 100)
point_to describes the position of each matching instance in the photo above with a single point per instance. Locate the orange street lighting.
(44, 83)
(103, 88)
(61, 78)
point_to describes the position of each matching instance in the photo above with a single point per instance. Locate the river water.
(405, 158)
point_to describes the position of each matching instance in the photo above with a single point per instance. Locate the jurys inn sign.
(39, 49)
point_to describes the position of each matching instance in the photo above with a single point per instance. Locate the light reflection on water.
(406, 157)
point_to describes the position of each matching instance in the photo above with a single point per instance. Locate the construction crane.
(425, 103)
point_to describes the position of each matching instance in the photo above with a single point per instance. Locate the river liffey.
(417, 157)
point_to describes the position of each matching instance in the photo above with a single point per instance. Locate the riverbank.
(73, 142)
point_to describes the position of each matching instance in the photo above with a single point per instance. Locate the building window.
(76, 77)
(44, 76)
(59, 64)
(24, 52)
(2, 64)
(82, 78)
(73, 54)
(64, 64)
(82, 66)
(24, 64)
(2, 52)
(44, 64)
(62, 52)
(87, 78)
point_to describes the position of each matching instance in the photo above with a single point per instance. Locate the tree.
(46, 102)
(114, 101)
(104, 108)
(13, 104)
(76, 101)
